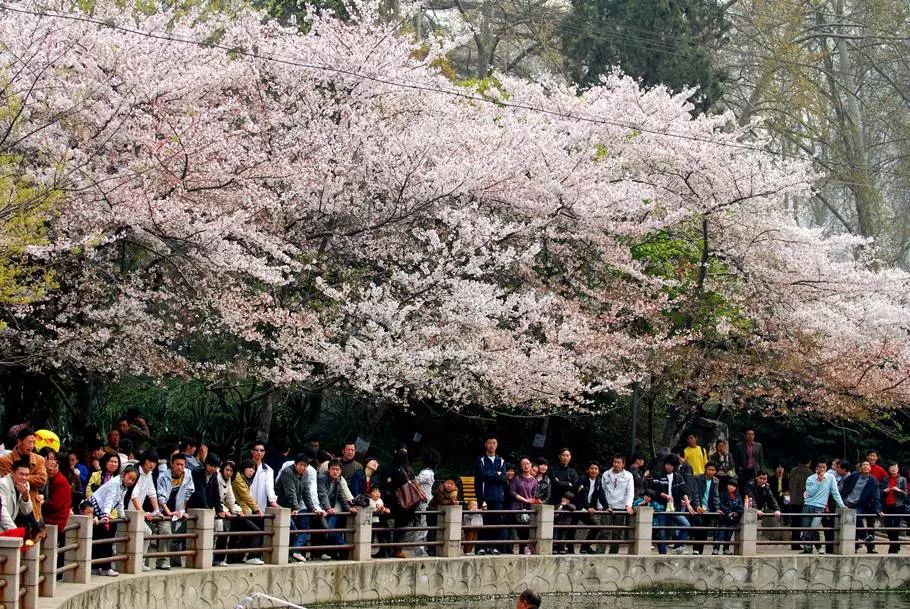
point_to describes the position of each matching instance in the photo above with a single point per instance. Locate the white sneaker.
(109, 573)
(325, 557)
(146, 568)
(696, 552)
(254, 561)
(821, 549)
(298, 557)
(714, 552)
(679, 550)
(220, 563)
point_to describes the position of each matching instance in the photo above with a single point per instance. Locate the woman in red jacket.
(58, 494)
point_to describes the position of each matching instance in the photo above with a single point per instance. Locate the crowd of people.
(694, 494)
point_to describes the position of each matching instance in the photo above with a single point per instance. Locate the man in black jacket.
(563, 478)
(673, 493)
(206, 493)
(590, 497)
(491, 486)
(860, 491)
(705, 502)
(760, 496)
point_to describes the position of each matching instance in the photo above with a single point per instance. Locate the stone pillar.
(203, 525)
(30, 578)
(362, 538)
(748, 533)
(82, 555)
(135, 545)
(48, 566)
(642, 530)
(280, 527)
(450, 535)
(543, 530)
(9, 570)
(846, 531)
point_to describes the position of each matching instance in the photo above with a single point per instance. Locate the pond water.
(793, 600)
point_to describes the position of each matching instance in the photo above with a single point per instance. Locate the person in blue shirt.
(819, 488)
(649, 499)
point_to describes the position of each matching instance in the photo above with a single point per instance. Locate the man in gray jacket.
(175, 487)
(332, 490)
(291, 489)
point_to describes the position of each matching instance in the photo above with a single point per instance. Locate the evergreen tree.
(669, 42)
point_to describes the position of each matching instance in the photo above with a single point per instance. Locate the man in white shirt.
(145, 491)
(262, 488)
(619, 489)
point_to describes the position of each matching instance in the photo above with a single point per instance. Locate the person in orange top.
(37, 476)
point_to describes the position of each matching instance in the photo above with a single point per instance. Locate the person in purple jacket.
(523, 491)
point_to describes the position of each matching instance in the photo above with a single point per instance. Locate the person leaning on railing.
(16, 506)
(174, 491)
(672, 493)
(252, 513)
(105, 501)
(291, 490)
(37, 473)
(331, 486)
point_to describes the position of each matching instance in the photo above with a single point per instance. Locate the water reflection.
(818, 600)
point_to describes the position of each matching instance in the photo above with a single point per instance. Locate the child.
(379, 509)
(471, 518)
(446, 493)
(731, 509)
(649, 499)
(564, 515)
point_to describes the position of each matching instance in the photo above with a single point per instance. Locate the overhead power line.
(425, 87)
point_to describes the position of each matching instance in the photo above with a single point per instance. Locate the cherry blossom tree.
(243, 200)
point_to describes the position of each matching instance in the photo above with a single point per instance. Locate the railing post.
(82, 555)
(48, 566)
(280, 527)
(203, 525)
(642, 530)
(846, 531)
(543, 529)
(30, 577)
(362, 537)
(748, 533)
(12, 555)
(135, 544)
(450, 535)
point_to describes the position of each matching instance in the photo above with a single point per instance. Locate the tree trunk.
(265, 414)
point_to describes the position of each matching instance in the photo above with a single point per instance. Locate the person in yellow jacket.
(110, 468)
(241, 487)
(695, 455)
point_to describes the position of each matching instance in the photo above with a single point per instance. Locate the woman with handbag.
(523, 490)
(407, 497)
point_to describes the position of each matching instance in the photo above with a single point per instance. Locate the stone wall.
(336, 582)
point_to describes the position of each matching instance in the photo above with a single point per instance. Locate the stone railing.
(27, 575)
